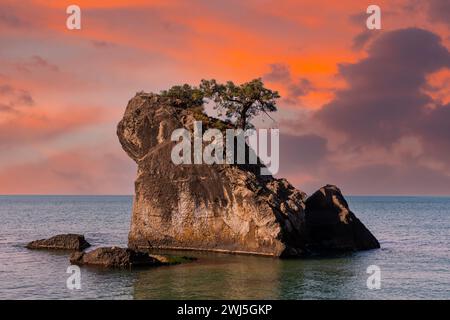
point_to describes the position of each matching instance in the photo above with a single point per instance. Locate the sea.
(413, 262)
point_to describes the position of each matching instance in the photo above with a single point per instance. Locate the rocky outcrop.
(331, 226)
(61, 242)
(114, 257)
(225, 208)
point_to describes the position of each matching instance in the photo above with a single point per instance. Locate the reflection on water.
(221, 276)
(213, 276)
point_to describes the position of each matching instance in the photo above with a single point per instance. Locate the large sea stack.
(224, 208)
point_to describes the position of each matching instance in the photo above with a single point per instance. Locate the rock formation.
(61, 242)
(114, 257)
(331, 226)
(225, 208)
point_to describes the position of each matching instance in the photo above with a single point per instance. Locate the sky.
(366, 110)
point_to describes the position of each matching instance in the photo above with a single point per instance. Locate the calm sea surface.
(415, 257)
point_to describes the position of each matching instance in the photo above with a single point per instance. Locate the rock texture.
(226, 208)
(331, 226)
(114, 257)
(61, 242)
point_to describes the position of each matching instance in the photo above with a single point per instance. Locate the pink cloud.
(94, 170)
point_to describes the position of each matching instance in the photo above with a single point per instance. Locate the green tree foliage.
(185, 96)
(241, 102)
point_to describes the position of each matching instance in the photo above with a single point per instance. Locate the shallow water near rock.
(414, 259)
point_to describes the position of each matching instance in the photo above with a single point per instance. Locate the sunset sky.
(367, 110)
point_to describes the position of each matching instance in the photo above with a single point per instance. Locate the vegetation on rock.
(184, 96)
(239, 103)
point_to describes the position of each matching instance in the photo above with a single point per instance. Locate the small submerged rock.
(115, 257)
(61, 242)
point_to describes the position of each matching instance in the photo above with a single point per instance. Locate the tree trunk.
(242, 121)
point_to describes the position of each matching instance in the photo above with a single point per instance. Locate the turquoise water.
(414, 259)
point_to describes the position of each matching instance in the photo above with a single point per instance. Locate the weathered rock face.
(228, 208)
(114, 257)
(204, 207)
(61, 242)
(331, 226)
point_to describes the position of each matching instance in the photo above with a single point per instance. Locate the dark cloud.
(295, 87)
(36, 63)
(299, 88)
(362, 39)
(385, 179)
(13, 98)
(385, 98)
(298, 153)
(358, 19)
(384, 133)
(10, 18)
(439, 10)
(435, 131)
(279, 72)
(5, 108)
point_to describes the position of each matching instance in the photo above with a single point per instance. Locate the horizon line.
(131, 195)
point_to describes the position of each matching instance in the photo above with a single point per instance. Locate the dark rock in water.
(114, 257)
(331, 226)
(61, 242)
